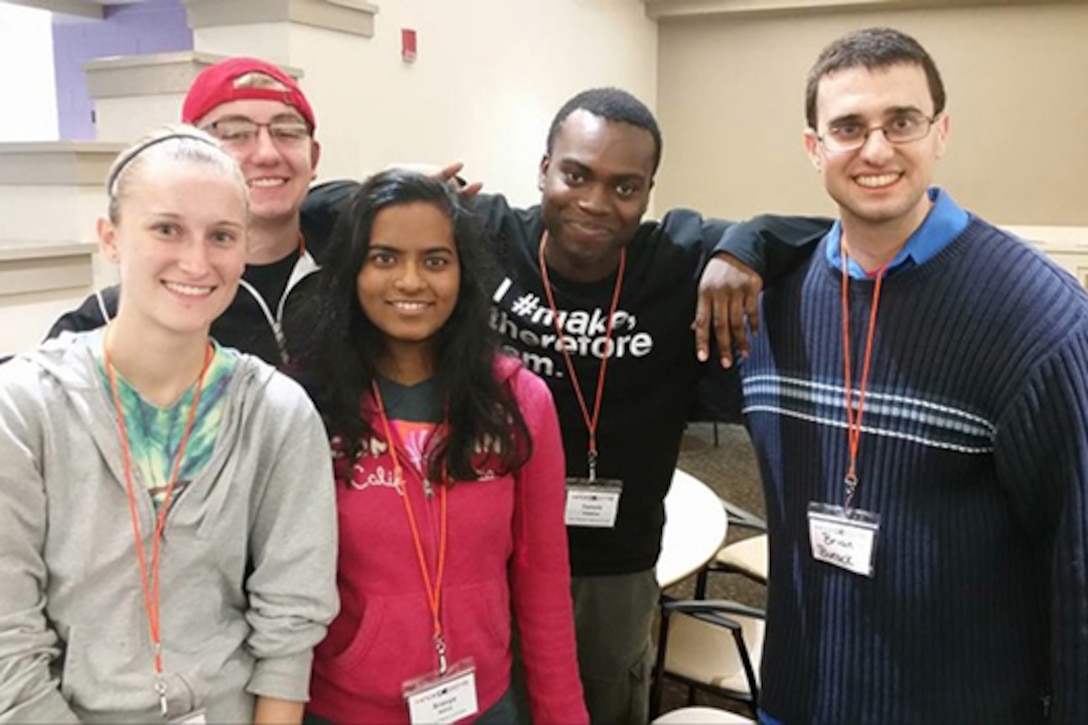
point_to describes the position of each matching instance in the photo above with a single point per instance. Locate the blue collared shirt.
(944, 222)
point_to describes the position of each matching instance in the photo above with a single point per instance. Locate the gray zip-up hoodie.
(248, 554)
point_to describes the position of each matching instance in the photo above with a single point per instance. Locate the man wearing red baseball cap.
(263, 119)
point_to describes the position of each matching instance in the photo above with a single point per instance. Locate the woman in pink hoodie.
(450, 478)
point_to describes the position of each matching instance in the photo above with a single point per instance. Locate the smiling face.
(278, 172)
(595, 183)
(880, 187)
(180, 242)
(410, 280)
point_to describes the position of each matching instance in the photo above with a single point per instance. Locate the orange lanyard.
(433, 590)
(853, 419)
(150, 585)
(590, 420)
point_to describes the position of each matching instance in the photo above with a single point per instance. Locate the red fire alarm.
(407, 45)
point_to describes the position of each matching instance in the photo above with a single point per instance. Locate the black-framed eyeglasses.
(239, 132)
(902, 128)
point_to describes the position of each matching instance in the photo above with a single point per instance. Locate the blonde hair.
(174, 142)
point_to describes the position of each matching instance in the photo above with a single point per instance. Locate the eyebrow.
(429, 250)
(888, 113)
(278, 117)
(174, 216)
(567, 162)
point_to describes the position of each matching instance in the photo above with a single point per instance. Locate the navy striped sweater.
(975, 455)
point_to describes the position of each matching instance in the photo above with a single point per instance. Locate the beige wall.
(731, 99)
(489, 76)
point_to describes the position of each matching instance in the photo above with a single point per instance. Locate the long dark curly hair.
(336, 349)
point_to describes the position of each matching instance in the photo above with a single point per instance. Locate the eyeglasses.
(901, 129)
(242, 132)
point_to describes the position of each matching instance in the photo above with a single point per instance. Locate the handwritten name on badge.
(845, 540)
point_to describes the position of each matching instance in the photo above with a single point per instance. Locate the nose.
(594, 199)
(264, 148)
(194, 259)
(410, 280)
(877, 149)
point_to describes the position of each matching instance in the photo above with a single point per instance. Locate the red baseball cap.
(215, 86)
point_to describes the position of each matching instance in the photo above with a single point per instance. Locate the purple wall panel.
(150, 26)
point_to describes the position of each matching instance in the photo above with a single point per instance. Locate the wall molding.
(30, 267)
(81, 8)
(56, 163)
(152, 74)
(354, 17)
(672, 9)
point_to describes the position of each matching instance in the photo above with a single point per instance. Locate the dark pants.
(613, 617)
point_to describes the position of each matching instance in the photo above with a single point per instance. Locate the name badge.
(842, 537)
(194, 718)
(593, 503)
(443, 698)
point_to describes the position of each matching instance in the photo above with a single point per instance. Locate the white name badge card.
(443, 699)
(593, 503)
(193, 718)
(842, 537)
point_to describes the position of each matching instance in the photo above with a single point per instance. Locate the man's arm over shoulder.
(325, 202)
(748, 255)
(92, 313)
(774, 245)
(494, 212)
(320, 210)
(686, 228)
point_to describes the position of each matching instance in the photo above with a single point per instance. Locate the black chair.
(716, 645)
(747, 557)
(710, 645)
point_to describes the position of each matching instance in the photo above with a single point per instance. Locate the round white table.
(695, 527)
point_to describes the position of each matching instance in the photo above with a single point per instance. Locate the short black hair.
(611, 104)
(872, 48)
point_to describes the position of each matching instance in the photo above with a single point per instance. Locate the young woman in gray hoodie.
(167, 521)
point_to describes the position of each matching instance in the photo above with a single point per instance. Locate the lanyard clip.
(591, 459)
(160, 688)
(440, 650)
(851, 481)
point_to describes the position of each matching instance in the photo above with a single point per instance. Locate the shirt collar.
(944, 222)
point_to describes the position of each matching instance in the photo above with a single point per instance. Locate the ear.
(812, 148)
(545, 162)
(942, 128)
(315, 156)
(107, 239)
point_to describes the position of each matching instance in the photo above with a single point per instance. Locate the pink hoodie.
(506, 554)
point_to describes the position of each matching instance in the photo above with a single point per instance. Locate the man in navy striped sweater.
(919, 403)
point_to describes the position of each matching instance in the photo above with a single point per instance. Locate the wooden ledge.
(152, 74)
(27, 267)
(675, 9)
(355, 17)
(56, 163)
